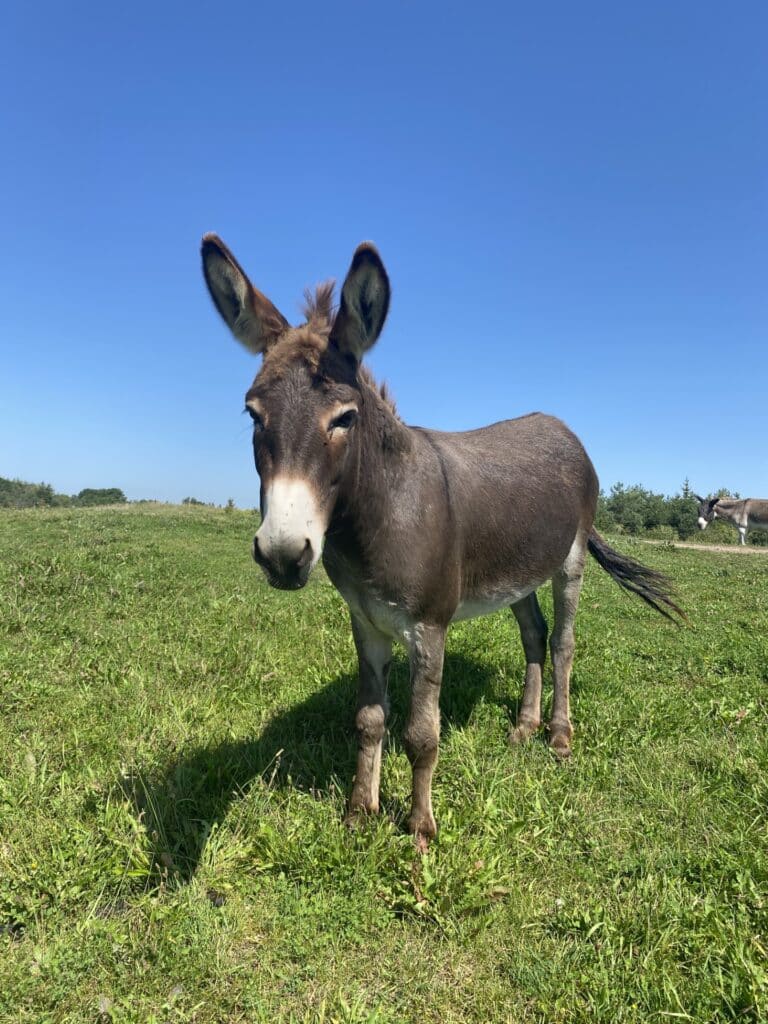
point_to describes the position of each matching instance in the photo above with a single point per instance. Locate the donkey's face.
(706, 511)
(305, 402)
(304, 413)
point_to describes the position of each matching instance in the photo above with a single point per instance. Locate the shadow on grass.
(310, 746)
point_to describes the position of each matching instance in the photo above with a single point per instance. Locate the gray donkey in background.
(743, 513)
(417, 528)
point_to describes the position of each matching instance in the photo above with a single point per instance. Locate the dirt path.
(748, 549)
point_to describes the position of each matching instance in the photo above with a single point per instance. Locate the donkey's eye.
(258, 422)
(343, 422)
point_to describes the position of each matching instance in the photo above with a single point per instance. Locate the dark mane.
(310, 342)
(319, 309)
(367, 380)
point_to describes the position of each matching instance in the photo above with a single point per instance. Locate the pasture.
(176, 747)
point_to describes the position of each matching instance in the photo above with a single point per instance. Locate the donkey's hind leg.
(566, 586)
(533, 631)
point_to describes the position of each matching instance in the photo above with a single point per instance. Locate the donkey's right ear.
(251, 317)
(699, 499)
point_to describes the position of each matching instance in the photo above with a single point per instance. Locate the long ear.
(250, 316)
(364, 303)
(699, 499)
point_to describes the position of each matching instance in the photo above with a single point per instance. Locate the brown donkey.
(421, 527)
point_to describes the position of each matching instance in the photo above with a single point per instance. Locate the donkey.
(417, 528)
(745, 513)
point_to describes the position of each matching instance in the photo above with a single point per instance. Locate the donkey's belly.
(484, 604)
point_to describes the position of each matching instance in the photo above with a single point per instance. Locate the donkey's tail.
(653, 587)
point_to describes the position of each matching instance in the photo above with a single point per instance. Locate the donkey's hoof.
(354, 820)
(421, 842)
(423, 828)
(356, 817)
(560, 745)
(522, 731)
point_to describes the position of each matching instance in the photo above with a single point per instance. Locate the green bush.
(663, 532)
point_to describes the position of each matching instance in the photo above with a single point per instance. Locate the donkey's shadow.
(310, 746)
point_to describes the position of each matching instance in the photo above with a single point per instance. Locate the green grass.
(176, 745)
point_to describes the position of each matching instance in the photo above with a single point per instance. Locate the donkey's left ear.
(364, 303)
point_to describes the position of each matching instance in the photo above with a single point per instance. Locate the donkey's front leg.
(422, 731)
(374, 652)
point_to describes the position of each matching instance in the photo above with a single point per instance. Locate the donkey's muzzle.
(285, 567)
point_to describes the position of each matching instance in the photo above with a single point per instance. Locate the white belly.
(486, 604)
(391, 619)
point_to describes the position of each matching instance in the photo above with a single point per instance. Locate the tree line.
(643, 513)
(20, 494)
(625, 510)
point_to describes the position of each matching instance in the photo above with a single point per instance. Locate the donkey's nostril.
(306, 555)
(281, 564)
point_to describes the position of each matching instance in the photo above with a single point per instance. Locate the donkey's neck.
(383, 430)
(381, 448)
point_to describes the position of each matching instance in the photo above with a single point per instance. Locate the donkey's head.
(706, 511)
(305, 400)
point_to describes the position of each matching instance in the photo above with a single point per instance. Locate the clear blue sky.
(571, 200)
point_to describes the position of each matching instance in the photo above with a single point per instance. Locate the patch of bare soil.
(747, 549)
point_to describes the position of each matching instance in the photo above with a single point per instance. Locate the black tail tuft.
(653, 587)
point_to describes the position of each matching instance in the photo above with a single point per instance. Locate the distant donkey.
(745, 513)
(421, 527)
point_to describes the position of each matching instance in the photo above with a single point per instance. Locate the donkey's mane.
(381, 391)
(319, 308)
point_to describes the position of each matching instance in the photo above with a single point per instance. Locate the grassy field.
(175, 749)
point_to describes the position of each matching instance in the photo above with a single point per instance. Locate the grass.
(176, 746)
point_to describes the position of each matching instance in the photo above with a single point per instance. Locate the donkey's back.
(521, 491)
